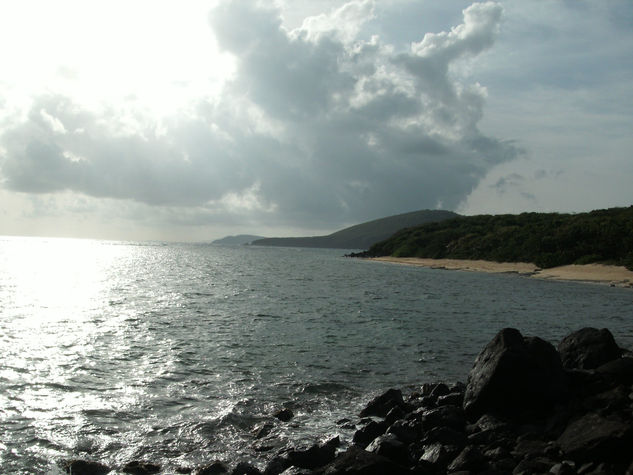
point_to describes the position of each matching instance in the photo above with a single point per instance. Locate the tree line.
(545, 239)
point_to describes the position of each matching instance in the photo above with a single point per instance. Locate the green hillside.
(361, 236)
(546, 239)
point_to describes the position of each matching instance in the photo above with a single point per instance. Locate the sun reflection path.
(64, 323)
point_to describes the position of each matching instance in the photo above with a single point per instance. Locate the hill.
(238, 240)
(545, 239)
(361, 236)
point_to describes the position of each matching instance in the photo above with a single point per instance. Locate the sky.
(189, 121)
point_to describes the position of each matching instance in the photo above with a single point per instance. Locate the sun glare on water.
(55, 295)
(54, 280)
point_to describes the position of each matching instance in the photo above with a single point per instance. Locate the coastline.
(543, 418)
(616, 276)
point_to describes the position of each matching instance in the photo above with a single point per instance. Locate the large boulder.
(588, 348)
(515, 378)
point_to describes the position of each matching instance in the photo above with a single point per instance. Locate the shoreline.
(565, 411)
(615, 276)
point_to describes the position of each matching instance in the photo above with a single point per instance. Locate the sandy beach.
(596, 273)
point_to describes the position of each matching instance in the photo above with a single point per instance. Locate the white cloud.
(53, 123)
(344, 23)
(307, 116)
(257, 115)
(559, 83)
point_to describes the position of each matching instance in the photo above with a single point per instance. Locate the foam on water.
(177, 353)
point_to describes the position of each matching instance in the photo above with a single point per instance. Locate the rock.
(356, 461)
(566, 467)
(531, 465)
(277, 465)
(381, 405)
(84, 467)
(245, 468)
(588, 348)
(440, 389)
(597, 469)
(595, 438)
(445, 436)
(284, 415)
(487, 422)
(426, 402)
(315, 456)
(515, 378)
(296, 471)
(610, 401)
(498, 453)
(263, 447)
(263, 430)
(215, 468)
(444, 416)
(529, 448)
(439, 455)
(427, 388)
(503, 466)
(451, 399)
(470, 459)
(405, 431)
(619, 371)
(140, 468)
(394, 414)
(390, 447)
(493, 439)
(584, 383)
(364, 435)
(522, 400)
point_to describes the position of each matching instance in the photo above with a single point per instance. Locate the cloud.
(317, 126)
(509, 181)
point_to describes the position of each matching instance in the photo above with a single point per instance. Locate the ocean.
(178, 353)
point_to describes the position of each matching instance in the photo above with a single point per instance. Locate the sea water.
(177, 353)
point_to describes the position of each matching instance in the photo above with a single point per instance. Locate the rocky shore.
(527, 408)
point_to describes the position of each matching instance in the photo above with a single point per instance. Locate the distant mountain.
(362, 236)
(238, 240)
(545, 239)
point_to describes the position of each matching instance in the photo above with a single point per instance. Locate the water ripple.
(175, 353)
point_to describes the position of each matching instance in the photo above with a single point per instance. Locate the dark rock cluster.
(527, 408)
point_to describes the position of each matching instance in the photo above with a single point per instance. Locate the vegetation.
(362, 235)
(545, 239)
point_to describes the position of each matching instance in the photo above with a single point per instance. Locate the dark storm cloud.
(314, 128)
